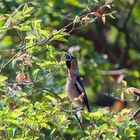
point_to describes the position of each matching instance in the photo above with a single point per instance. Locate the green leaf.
(86, 115)
(53, 131)
(36, 71)
(96, 115)
(30, 37)
(25, 28)
(50, 48)
(3, 29)
(15, 122)
(27, 9)
(25, 100)
(133, 54)
(50, 98)
(2, 128)
(16, 27)
(44, 125)
(60, 38)
(43, 32)
(2, 79)
(136, 73)
(17, 112)
(11, 132)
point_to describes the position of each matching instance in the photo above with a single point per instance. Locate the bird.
(74, 87)
(77, 94)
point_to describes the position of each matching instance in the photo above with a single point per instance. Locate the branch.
(129, 13)
(72, 111)
(111, 72)
(80, 123)
(48, 90)
(26, 48)
(100, 10)
(135, 114)
(10, 61)
(16, 10)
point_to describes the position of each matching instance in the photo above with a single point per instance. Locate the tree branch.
(129, 12)
(48, 90)
(111, 72)
(135, 114)
(80, 123)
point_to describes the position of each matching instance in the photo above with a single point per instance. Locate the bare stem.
(135, 114)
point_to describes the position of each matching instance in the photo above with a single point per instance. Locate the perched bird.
(77, 94)
(74, 86)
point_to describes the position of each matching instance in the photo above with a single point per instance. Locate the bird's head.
(71, 62)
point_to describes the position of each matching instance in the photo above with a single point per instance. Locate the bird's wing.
(81, 91)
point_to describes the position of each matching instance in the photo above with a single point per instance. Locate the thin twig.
(15, 11)
(100, 9)
(26, 48)
(72, 111)
(10, 61)
(43, 42)
(80, 123)
(135, 114)
(48, 90)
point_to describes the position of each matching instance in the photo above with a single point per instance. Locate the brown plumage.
(74, 87)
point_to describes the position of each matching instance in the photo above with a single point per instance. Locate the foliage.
(34, 38)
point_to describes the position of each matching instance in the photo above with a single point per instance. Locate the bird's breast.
(71, 90)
